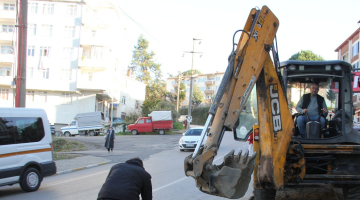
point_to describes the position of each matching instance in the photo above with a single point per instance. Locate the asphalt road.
(162, 159)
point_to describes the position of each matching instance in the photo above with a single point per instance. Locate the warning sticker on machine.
(247, 91)
(260, 22)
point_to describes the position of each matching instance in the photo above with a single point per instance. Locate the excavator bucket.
(230, 179)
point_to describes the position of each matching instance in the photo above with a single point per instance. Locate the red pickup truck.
(160, 121)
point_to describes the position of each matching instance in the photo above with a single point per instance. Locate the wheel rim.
(134, 132)
(67, 134)
(162, 132)
(32, 179)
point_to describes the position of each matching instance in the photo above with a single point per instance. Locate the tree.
(142, 64)
(197, 96)
(330, 95)
(194, 71)
(148, 105)
(156, 90)
(182, 94)
(305, 55)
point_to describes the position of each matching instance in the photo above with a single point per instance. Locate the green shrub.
(178, 126)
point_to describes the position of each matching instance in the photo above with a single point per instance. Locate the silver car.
(190, 139)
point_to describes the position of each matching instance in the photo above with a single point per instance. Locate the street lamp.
(191, 75)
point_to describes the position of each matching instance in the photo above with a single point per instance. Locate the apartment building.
(71, 67)
(349, 52)
(208, 83)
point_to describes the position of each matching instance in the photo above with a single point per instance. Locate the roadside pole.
(20, 79)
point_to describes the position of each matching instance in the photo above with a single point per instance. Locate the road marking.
(172, 183)
(75, 179)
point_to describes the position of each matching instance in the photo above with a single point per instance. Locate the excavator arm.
(249, 64)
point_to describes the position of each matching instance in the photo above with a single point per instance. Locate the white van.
(26, 151)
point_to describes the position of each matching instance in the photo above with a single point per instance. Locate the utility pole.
(178, 93)
(20, 79)
(191, 79)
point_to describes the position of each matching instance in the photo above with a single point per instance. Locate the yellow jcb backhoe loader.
(257, 96)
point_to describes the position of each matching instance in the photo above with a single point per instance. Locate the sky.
(170, 26)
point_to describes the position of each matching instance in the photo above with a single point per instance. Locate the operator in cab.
(311, 105)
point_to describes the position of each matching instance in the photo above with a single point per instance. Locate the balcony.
(209, 82)
(84, 84)
(6, 80)
(97, 41)
(93, 63)
(7, 58)
(209, 91)
(4, 36)
(8, 14)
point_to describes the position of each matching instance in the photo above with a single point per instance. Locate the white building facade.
(208, 83)
(71, 67)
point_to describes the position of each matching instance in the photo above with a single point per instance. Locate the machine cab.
(335, 86)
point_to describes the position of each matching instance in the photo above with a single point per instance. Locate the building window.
(69, 31)
(9, 6)
(355, 49)
(33, 8)
(68, 52)
(93, 33)
(31, 29)
(48, 9)
(218, 78)
(123, 100)
(4, 71)
(45, 51)
(31, 51)
(45, 73)
(71, 10)
(4, 94)
(47, 30)
(30, 72)
(137, 104)
(43, 96)
(8, 28)
(66, 98)
(90, 76)
(345, 57)
(6, 49)
(30, 96)
(66, 74)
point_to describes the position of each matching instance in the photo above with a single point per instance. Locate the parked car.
(118, 120)
(190, 139)
(158, 121)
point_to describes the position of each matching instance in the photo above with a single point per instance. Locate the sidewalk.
(79, 163)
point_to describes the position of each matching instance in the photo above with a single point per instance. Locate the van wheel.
(134, 132)
(30, 180)
(91, 133)
(162, 132)
(67, 134)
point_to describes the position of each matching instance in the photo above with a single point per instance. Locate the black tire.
(264, 194)
(67, 134)
(91, 133)
(161, 132)
(31, 180)
(135, 132)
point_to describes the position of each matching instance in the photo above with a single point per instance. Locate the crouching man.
(126, 181)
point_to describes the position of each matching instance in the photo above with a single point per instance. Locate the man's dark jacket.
(126, 181)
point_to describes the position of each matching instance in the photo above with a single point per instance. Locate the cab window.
(148, 121)
(141, 121)
(14, 130)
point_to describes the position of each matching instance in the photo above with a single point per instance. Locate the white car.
(190, 139)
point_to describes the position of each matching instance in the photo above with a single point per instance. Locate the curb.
(80, 168)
